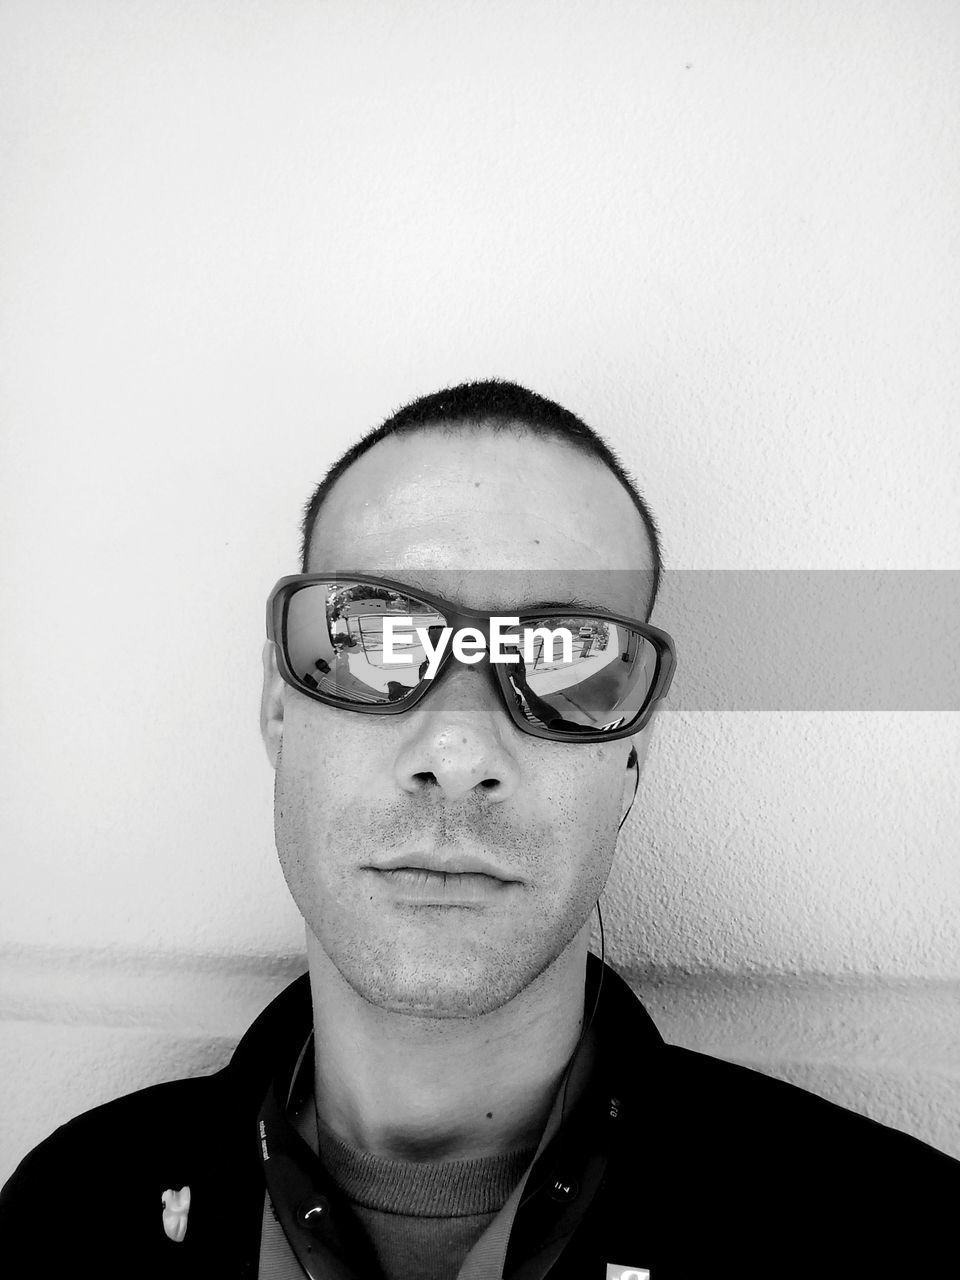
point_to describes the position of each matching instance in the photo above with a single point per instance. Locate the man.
(459, 1090)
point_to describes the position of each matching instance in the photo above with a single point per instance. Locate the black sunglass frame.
(457, 617)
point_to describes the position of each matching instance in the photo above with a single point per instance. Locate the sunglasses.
(368, 644)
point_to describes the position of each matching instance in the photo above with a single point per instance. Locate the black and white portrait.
(656, 305)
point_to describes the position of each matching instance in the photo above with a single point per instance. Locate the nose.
(457, 742)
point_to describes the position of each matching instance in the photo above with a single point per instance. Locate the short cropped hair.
(499, 406)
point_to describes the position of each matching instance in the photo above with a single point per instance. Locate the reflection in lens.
(336, 640)
(600, 683)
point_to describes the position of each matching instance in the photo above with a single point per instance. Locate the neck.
(414, 1088)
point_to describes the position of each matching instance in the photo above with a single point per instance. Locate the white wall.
(233, 237)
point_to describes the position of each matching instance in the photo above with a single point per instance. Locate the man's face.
(483, 520)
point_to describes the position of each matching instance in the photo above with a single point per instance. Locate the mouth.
(423, 879)
(434, 863)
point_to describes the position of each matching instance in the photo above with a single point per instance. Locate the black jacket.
(681, 1164)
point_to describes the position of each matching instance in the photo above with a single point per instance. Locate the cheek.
(325, 781)
(581, 778)
(328, 754)
(580, 792)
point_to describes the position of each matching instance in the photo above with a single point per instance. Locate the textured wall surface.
(233, 237)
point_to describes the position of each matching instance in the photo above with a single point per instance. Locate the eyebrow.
(572, 602)
(521, 606)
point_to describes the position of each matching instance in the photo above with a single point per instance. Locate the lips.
(428, 879)
(435, 863)
(423, 873)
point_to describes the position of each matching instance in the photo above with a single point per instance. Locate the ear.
(271, 704)
(639, 745)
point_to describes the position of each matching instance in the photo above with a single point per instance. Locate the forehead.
(496, 515)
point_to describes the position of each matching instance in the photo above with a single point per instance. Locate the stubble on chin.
(431, 979)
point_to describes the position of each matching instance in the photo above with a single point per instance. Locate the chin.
(447, 988)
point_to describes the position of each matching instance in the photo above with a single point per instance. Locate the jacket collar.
(624, 1031)
(584, 1129)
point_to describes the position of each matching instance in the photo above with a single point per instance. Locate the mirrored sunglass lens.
(338, 640)
(581, 674)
